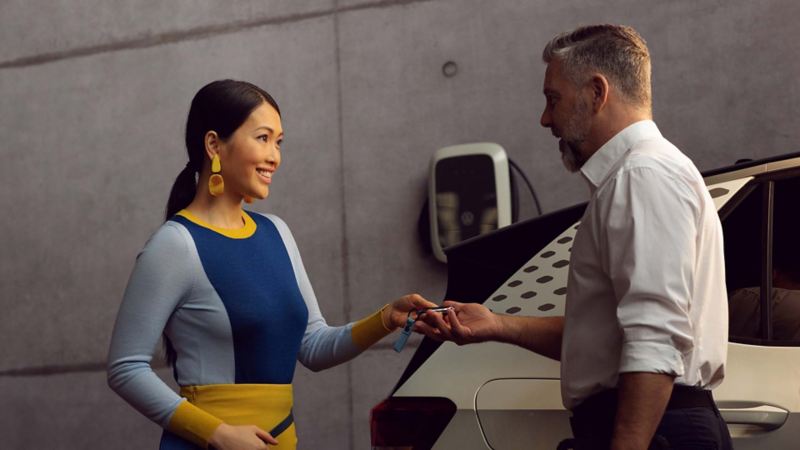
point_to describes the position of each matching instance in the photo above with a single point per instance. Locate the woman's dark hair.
(220, 106)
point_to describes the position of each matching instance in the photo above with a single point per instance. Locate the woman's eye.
(263, 138)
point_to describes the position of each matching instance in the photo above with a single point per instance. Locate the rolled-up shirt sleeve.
(651, 225)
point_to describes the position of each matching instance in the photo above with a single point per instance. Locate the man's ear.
(599, 86)
(212, 143)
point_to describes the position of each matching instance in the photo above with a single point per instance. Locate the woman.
(228, 290)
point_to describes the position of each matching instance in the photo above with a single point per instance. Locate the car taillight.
(409, 423)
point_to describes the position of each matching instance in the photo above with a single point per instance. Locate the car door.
(760, 396)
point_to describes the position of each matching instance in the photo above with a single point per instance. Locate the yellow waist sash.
(263, 405)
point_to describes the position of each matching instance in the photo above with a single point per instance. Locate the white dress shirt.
(646, 289)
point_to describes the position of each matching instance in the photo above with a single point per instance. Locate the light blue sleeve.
(323, 346)
(161, 279)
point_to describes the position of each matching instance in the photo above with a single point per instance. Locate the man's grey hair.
(616, 51)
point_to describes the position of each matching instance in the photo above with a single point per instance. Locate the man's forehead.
(552, 77)
(548, 80)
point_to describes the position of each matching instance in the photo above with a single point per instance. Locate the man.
(644, 335)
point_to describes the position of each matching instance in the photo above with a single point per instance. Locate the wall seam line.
(346, 301)
(191, 34)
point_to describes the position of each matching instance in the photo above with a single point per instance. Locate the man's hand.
(472, 322)
(466, 323)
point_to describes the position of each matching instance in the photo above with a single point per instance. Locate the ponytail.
(183, 191)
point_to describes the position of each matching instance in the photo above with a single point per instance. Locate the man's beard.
(573, 135)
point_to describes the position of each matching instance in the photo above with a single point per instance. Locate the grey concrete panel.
(92, 146)
(720, 92)
(32, 28)
(322, 408)
(72, 411)
(375, 373)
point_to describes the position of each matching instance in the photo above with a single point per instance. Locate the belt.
(682, 397)
(594, 417)
(283, 426)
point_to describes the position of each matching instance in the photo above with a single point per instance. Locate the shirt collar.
(600, 164)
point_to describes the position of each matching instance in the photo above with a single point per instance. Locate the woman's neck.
(224, 211)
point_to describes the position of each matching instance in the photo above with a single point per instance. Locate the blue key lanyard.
(401, 341)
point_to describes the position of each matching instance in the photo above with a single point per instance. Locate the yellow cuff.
(370, 330)
(193, 424)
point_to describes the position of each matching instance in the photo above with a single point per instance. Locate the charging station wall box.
(469, 193)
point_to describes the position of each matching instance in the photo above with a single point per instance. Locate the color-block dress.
(239, 310)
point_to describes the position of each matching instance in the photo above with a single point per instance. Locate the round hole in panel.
(561, 263)
(544, 279)
(514, 283)
(564, 240)
(529, 294)
(560, 291)
(547, 307)
(449, 69)
(499, 298)
(548, 254)
(530, 269)
(513, 310)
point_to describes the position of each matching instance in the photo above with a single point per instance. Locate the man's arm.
(642, 400)
(472, 322)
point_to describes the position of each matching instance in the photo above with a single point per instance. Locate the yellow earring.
(216, 185)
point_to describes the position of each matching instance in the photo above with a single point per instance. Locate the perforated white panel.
(539, 287)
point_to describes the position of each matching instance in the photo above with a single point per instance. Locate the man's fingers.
(439, 323)
(428, 331)
(452, 303)
(458, 330)
(444, 328)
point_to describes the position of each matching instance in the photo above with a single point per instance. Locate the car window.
(786, 261)
(747, 233)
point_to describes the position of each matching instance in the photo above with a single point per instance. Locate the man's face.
(567, 115)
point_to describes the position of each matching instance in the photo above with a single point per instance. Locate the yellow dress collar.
(244, 232)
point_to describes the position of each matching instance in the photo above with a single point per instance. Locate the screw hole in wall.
(450, 69)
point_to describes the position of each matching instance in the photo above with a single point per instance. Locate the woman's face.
(252, 154)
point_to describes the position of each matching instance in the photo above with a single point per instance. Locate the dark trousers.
(691, 422)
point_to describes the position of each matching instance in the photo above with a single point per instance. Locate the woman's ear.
(212, 144)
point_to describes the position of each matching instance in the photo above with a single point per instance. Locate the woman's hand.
(240, 437)
(396, 313)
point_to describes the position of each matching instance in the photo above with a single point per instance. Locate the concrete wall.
(93, 99)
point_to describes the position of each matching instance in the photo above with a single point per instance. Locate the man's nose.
(545, 119)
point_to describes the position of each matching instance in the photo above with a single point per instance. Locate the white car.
(500, 396)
